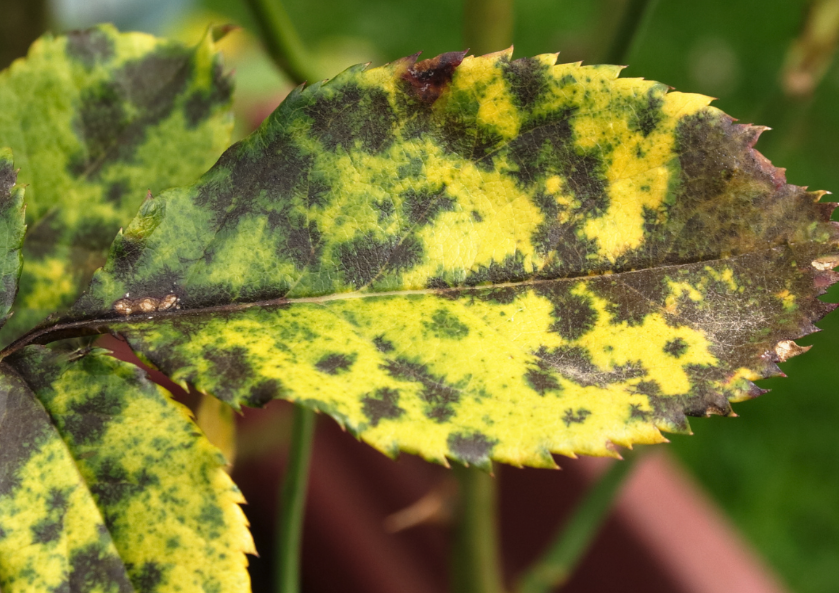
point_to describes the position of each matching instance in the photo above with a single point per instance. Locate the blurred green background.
(774, 469)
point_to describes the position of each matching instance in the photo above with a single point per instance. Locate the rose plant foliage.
(466, 258)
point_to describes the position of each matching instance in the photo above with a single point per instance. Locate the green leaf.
(107, 485)
(478, 258)
(96, 119)
(12, 229)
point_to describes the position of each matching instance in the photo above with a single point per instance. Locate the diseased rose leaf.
(12, 230)
(107, 485)
(476, 259)
(96, 119)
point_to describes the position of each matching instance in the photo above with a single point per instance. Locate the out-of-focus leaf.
(12, 229)
(477, 259)
(97, 118)
(809, 57)
(107, 485)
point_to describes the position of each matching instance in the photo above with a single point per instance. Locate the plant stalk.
(487, 25)
(476, 566)
(557, 564)
(635, 19)
(292, 502)
(281, 39)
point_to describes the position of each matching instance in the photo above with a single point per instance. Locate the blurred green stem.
(487, 25)
(633, 22)
(476, 567)
(557, 565)
(293, 502)
(281, 40)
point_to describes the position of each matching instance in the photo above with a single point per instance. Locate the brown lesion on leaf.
(427, 79)
(128, 306)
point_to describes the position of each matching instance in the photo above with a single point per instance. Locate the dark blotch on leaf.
(333, 364)
(382, 404)
(93, 569)
(676, 347)
(578, 417)
(363, 258)
(90, 46)
(86, 421)
(510, 270)
(351, 116)
(422, 206)
(263, 392)
(230, 363)
(149, 578)
(572, 313)
(542, 381)
(48, 529)
(201, 103)
(435, 391)
(648, 114)
(473, 449)
(383, 345)
(526, 78)
(428, 79)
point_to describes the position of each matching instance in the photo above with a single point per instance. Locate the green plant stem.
(487, 25)
(557, 564)
(281, 39)
(292, 502)
(634, 21)
(476, 567)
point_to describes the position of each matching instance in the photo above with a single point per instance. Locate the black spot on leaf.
(48, 529)
(440, 396)
(473, 449)
(263, 392)
(383, 403)
(352, 116)
(573, 315)
(86, 421)
(333, 364)
(542, 381)
(200, 104)
(422, 206)
(92, 568)
(230, 363)
(510, 270)
(676, 347)
(149, 578)
(90, 46)
(527, 80)
(363, 258)
(383, 345)
(648, 113)
(575, 417)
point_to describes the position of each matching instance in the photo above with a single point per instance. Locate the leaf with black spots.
(96, 119)
(106, 484)
(477, 258)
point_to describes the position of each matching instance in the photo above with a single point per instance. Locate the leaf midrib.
(101, 325)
